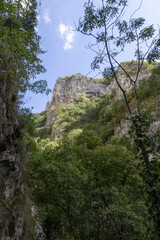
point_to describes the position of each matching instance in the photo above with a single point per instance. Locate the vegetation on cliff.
(111, 34)
(20, 45)
(19, 65)
(105, 24)
(98, 179)
(88, 184)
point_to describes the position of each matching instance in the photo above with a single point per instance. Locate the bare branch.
(136, 10)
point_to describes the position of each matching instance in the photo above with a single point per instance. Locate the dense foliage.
(89, 183)
(85, 190)
(111, 34)
(20, 45)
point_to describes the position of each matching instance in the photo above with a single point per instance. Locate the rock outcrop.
(75, 86)
(68, 89)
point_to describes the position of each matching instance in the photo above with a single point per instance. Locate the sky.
(66, 49)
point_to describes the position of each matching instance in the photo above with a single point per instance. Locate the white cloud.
(62, 28)
(67, 34)
(46, 17)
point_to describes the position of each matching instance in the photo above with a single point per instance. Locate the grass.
(105, 81)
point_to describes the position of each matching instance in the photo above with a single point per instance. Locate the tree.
(86, 191)
(112, 34)
(20, 45)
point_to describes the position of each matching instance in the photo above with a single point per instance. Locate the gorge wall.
(69, 89)
(76, 92)
(16, 220)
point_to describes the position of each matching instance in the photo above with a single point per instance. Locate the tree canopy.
(20, 45)
(111, 34)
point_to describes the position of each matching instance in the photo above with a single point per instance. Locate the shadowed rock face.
(10, 162)
(15, 212)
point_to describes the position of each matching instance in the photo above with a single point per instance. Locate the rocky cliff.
(67, 90)
(75, 86)
(16, 221)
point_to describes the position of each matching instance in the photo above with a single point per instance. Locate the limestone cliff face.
(130, 68)
(77, 85)
(15, 209)
(10, 162)
(67, 89)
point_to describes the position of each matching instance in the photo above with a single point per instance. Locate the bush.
(43, 132)
(89, 138)
(41, 119)
(119, 107)
(105, 116)
(108, 132)
(121, 140)
(150, 87)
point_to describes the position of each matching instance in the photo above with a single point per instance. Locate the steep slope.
(75, 86)
(69, 90)
(80, 91)
(16, 220)
(93, 177)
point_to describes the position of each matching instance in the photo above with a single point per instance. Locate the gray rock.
(67, 89)
(14, 224)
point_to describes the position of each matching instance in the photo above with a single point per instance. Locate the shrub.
(89, 138)
(108, 132)
(40, 119)
(118, 107)
(43, 132)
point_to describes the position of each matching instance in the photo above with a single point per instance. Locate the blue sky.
(66, 50)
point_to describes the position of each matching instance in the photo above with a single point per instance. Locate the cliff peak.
(70, 90)
(75, 86)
